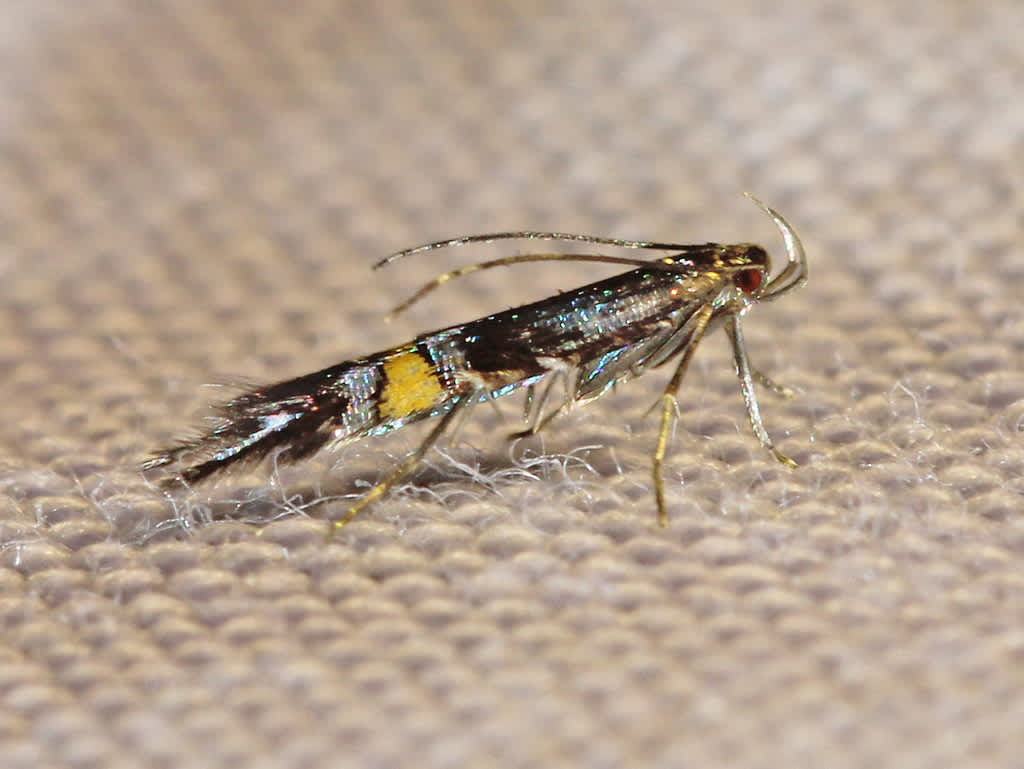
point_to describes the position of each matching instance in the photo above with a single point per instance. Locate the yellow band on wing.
(411, 385)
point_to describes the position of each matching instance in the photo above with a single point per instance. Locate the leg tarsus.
(746, 377)
(536, 412)
(669, 405)
(788, 462)
(767, 382)
(404, 468)
(537, 426)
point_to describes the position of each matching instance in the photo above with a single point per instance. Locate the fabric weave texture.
(192, 194)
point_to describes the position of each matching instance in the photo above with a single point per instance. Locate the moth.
(584, 341)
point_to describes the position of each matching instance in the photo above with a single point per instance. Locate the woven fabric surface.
(194, 193)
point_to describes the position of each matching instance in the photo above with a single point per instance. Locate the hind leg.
(460, 407)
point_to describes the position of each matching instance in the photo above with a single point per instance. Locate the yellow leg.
(406, 467)
(700, 322)
(767, 382)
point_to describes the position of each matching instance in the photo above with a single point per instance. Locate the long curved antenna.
(440, 280)
(795, 273)
(793, 276)
(528, 235)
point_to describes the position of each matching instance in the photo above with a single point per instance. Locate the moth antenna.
(568, 237)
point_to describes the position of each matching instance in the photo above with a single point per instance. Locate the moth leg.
(534, 406)
(473, 399)
(745, 374)
(539, 422)
(407, 465)
(669, 404)
(767, 382)
(531, 393)
(570, 380)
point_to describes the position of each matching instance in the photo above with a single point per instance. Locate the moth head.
(750, 265)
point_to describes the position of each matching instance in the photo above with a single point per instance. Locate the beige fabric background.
(194, 192)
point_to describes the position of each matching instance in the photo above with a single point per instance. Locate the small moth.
(586, 340)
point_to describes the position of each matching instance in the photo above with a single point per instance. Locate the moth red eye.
(749, 280)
